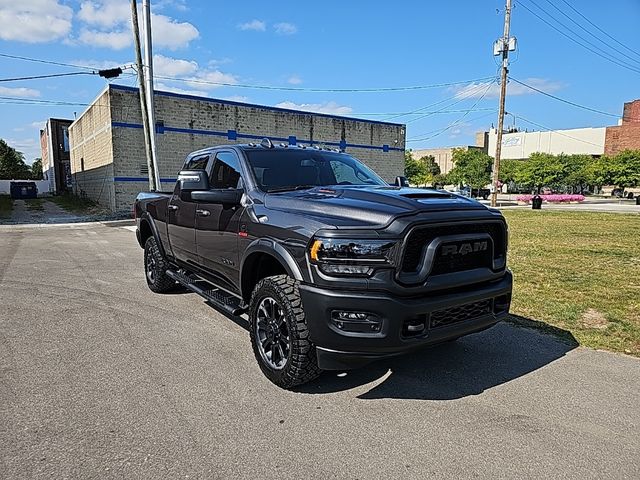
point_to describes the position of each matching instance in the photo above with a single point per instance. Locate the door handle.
(172, 207)
(203, 213)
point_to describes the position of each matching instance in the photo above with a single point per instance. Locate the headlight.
(339, 256)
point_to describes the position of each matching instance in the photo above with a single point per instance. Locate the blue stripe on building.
(142, 179)
(233, 135)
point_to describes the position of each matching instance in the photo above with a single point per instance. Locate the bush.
(552, 198)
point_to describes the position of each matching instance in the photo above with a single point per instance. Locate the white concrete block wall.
(191, 123)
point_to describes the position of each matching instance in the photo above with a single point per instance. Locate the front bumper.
(443, 316)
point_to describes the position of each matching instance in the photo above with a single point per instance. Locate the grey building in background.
(108, 161)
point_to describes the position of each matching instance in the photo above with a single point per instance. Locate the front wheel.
(155, 268)
(279, 333)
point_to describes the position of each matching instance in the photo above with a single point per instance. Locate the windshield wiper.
(290, 188)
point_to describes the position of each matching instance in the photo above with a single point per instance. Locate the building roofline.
(250, 105)
(91, 104)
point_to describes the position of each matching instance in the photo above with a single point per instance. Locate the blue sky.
(330, 45)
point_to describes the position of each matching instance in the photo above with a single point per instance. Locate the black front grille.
(441, 318)
(419, 238)
(443, 263)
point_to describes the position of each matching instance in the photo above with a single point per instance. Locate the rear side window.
(226, 171)
(198, 162)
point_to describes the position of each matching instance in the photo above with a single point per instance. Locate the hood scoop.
(419, 196)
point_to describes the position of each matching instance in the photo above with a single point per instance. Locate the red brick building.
(625, 136)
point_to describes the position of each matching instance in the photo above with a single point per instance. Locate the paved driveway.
(100, 378)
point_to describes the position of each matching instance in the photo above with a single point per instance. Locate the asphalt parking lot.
(101, 378)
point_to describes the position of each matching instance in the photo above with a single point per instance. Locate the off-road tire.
(302, 365)
(154, 262)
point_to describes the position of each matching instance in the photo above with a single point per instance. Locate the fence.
(42, 185)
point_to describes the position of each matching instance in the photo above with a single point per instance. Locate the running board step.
(217, 297)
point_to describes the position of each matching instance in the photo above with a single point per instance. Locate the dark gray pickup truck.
(334, 267)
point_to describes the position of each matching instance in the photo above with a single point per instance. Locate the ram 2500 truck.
(333, 266)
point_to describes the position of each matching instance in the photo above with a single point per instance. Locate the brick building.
(625, 136)
(108, 161)
(54, 144)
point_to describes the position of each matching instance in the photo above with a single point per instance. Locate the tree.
(416, 170)
(541, 170)
(509, 170)
(470, 167)
(36, 169)
(624, 169)
(12, 164)
(432, 165)
(576, 169)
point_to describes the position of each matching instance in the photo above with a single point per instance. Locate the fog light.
(357, 322)
(333, 269)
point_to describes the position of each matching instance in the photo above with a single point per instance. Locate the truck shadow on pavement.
(468, 366)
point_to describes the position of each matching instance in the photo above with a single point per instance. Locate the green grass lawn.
(578, 271)
(6, 205)
(74, 204)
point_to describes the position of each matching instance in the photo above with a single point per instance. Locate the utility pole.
(143, 95)
(148, 76)
(505, 47)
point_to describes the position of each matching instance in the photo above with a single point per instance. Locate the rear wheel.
(155, 268)
(279, 333)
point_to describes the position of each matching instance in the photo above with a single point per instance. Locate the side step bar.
(219, 298)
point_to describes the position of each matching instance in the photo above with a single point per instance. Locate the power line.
(616, 49)
(557, 131)
(612, 60)
(467, 112)
(321, 90)
(421, 110)
(600, 29)
(584, 107)
(35, 77)
(48, 62)
(466, 95)
(43, 102)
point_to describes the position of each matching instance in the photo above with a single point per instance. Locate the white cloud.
(39, 124)
(237, 98)
(104, 14)
(116, 40)
(477, 89)
(173, 67)
(255, 25)
(110, 23)
(327, 107)
(100, 64)
(285, 28)
(172, 88)
(294, 80)
(170, 33)
(207, 80)
(19, 92)
(34, 21)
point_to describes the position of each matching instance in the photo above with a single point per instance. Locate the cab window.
(226, 171)
(198, 162)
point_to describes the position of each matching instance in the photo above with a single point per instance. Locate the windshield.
(297, 168)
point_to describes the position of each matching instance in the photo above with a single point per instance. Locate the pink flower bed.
(559, 198)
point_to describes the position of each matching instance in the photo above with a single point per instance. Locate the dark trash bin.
(638, 200)
(20, 190)
(536, 202)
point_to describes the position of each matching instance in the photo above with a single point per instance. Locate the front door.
(217, 224)
(181, 225)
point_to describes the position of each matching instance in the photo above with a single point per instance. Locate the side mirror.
(225, 196)
(401, 182)
(191, 180)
